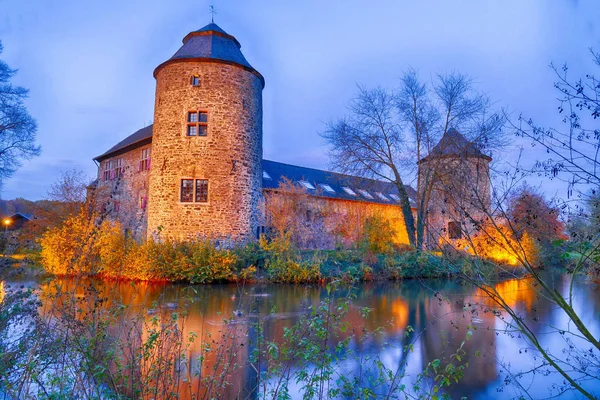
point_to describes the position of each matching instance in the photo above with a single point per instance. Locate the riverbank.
(274, 262)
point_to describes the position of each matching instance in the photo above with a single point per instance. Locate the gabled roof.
(138, 138)
(24, 216)
(453, 143)
(211, 43)
(276, 172)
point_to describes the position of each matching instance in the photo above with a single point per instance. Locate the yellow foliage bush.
(81, 246)
(69, 248)
(498, 243)
(285, 265)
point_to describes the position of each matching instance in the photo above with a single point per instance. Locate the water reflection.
(229, 319)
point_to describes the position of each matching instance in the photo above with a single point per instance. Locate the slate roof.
(136, 139)
(276, 171)
(453, 143)
(27, 217)
(212, 42)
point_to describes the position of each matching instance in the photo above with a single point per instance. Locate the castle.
(199, 170)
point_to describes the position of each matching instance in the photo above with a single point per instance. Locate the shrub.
(284, 264)
(69, 248)
(378, 235)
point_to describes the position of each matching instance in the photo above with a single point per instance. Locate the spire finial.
(212, 13)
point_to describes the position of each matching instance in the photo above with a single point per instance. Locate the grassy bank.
(276, 261)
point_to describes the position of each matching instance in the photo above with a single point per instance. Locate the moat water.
(441, 313)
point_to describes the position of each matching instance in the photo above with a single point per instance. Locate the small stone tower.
(455, 178)
(206, 172)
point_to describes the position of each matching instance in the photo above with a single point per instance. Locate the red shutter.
(148, 164)
(140, 165)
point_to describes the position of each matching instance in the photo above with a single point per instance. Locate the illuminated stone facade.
(229, 156)
(455, 178)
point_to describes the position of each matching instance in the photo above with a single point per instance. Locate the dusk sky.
(88, 64)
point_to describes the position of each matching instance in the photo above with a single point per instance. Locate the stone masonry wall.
(324, 223)
(123, 197)
(461, 188)
(229, 156)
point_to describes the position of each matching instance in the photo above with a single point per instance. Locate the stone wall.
(324, 223)
(123, 196)
(229, 156)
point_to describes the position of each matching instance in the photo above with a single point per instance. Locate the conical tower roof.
(453, 143)
(213, 44)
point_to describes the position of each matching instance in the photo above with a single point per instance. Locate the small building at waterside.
(198, 171)
(16, 221)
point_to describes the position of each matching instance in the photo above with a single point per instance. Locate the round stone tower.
(206, 174)
(455, 179)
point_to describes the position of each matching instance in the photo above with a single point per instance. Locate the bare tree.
(387, 132)
(70, 188)
(17, 127)
(370, 141)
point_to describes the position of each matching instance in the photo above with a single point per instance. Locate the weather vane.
(212, 13)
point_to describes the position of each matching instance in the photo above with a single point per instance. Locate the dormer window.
(395, 197)
(327, 188)
(382, 196)
(195, 80)
(349, 191)
(307, 185)
(365, 194)
(197, 123)
(266, 175)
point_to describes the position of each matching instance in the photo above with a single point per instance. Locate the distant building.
(199, 170)
(15, 221)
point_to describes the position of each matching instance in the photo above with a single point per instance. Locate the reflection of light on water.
(2, 292)
(515, 291)
(399, 309)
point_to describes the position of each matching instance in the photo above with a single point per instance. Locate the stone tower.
(455, 177)
(206, 172)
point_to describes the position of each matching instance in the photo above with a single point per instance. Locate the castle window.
(307, 185)
(365, 194)
(113, 169)
(187, 190)
(195, 80)
(144, 163)
(197, 123)
(349, 191)
(106, 171)
(454, 230)
(191, 194)
(201, 190)
(143, 202)
(327, 188)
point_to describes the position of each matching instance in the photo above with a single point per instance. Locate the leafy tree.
(530, 212)
(17, 127)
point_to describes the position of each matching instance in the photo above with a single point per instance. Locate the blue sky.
(88, 64)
